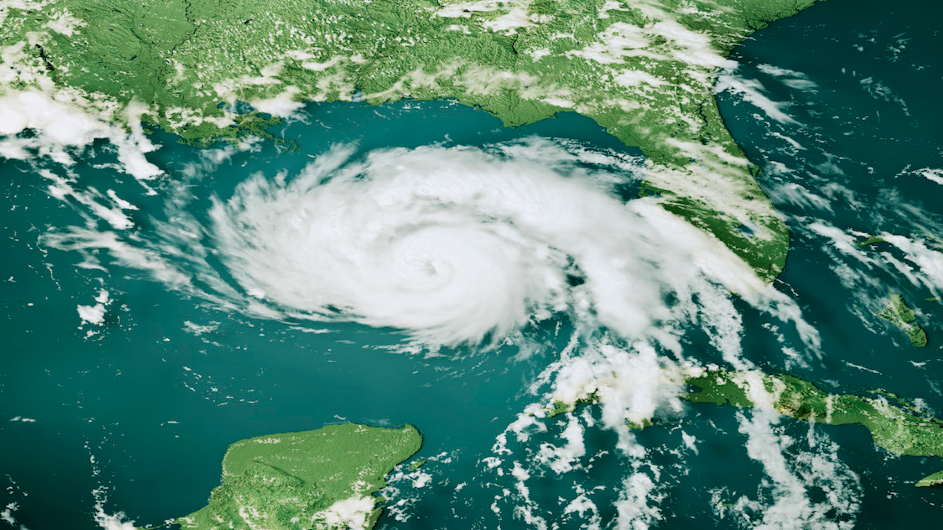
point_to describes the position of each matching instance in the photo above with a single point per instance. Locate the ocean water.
(126, 402)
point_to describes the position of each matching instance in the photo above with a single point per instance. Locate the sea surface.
(130, 408)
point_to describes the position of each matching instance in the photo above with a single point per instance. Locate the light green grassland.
(643, 70)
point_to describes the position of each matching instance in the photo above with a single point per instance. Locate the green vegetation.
(899, 428)
(324, 478)
(561, 407)
(636, 425)
(645, 72)
(894, 424)
(933, 481)
(903, 317)
(558, 407)
(416, 465)
(871, 240)
(719, 387)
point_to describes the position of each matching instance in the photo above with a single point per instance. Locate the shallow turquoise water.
(147, 405)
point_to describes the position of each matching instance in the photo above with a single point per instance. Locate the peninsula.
(326, 477)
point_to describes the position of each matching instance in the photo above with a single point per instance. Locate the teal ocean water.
(142, 333)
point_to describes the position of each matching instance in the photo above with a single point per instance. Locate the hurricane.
(453, 245)
(541, 310)
(466, 248)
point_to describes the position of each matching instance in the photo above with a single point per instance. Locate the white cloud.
(95, 314)
(285, 104)
(105, 521)
(632, 78)
(783, 501)
(7, 514)
(436, 225)
(637, 507)
(61, 127)
(352, 513)
(616, 42)
(753, 92)
(562, 459)
(790, 78)
(65, 23)
(934, 175)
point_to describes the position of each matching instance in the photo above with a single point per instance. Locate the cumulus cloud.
(95, 314)
(806, 487)
(350, 513)
(62, 128)
(284, 104)
(635, 507)
(106, 521)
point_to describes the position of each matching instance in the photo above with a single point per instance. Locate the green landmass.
(898, 313)
(322, 479)
(933, 481)
(894, 424)
(558, 407)
(417, 464)
(636, 425)
(898, 427)
(643, 71)
(871, 240)
(561, 407)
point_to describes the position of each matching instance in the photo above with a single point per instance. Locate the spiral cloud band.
(464, 246)
(459, 244)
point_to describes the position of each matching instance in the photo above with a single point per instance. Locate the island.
(326, 476)
(871, 240)
(894, 424)
(208, 70)
(933, 481)
(898, 427)
(898, 313)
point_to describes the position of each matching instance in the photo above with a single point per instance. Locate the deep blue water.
(147, 408)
